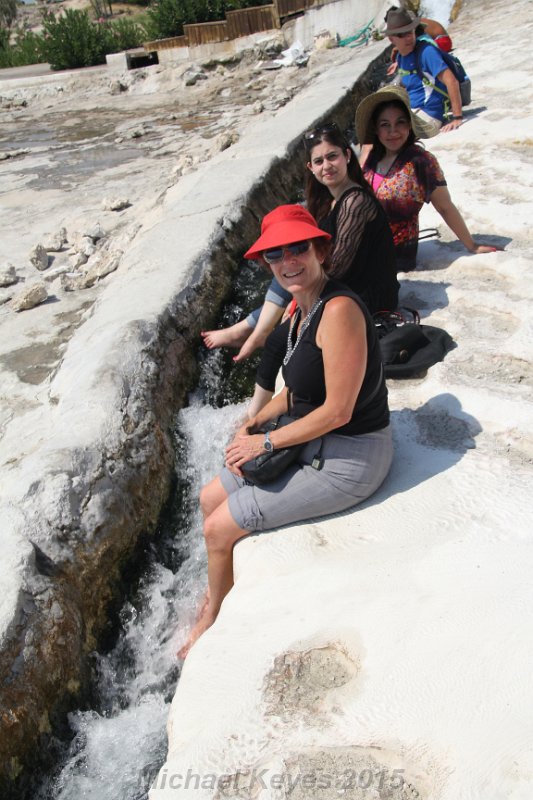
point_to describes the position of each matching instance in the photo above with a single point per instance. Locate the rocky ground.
(84, 156)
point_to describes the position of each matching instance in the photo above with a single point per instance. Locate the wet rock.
(193, 75)
(88, 248)
(117, 87)
(78, 260)
(103, 265)
(8, 275)
(30, 297)
(184, 165)
(39, 257)
(226, 139)
(5, 154)
(115, 203)
(271, 46)
(52, 274)
(95, 232)
(138, 132)
(55, 243)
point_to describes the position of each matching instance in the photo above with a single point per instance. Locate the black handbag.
(269, 466)
(408, 349)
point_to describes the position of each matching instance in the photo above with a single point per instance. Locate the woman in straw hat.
(339, 197)
(334, 390)
(402, 174)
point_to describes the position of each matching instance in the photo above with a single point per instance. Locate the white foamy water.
(116, 751)
(437, 9)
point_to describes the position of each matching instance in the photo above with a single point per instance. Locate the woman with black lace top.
(338, 195)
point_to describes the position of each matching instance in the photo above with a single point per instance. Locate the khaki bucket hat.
(363, 116)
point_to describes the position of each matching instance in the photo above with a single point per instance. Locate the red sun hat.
(285, 225)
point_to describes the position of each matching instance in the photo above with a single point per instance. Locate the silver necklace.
(305, 324)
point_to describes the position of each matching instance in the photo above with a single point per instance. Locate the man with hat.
(431, 84)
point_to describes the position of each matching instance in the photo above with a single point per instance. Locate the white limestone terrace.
(85, 449)
(386, 652)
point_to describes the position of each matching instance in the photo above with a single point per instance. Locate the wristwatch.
(267, 444)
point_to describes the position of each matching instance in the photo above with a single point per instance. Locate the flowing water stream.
(119, 745)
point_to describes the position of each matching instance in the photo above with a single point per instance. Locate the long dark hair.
(378, 151)
(318, 197)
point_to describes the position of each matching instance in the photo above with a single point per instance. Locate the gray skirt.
(353, 468)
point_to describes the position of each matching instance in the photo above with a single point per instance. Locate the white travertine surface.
(385, 653)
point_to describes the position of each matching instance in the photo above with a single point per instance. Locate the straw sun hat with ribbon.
(363, 117)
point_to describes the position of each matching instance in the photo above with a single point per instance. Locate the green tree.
(71, 40)
(8, 13)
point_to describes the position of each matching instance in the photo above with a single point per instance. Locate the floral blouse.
(409, 183)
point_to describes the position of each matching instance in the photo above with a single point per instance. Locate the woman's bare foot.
(205, 621)
(234, 336)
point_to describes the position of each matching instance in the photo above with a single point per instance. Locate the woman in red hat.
(363, 253)
(335, 391)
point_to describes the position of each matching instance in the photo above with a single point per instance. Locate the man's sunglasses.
(401, 35)
(275, 255)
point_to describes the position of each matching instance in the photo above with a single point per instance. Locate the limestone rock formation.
(31, 296)
(39, 257)
(8, 275)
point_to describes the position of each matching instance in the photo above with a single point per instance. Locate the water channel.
(119, 744)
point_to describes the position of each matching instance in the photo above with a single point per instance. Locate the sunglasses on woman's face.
(276, 254)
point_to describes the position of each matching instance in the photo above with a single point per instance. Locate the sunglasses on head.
(276, 254)
(317, 133)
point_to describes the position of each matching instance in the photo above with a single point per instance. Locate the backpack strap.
(419, 48)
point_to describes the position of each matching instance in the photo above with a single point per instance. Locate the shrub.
(8, 12)
(123, 34)
(167, 17)
(71, 40)
(25, 48)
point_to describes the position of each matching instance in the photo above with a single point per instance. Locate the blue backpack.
(451, 61)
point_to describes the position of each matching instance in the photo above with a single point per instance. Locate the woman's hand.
(243, 448)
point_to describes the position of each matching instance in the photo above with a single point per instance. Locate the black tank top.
(304, 373)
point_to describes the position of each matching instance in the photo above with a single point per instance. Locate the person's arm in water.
(442, 202)
(454, 93)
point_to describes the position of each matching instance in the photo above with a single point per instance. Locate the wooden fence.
(241, 22)
(167, 44)
(245, 21)
(205, 32)
(288, 7)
